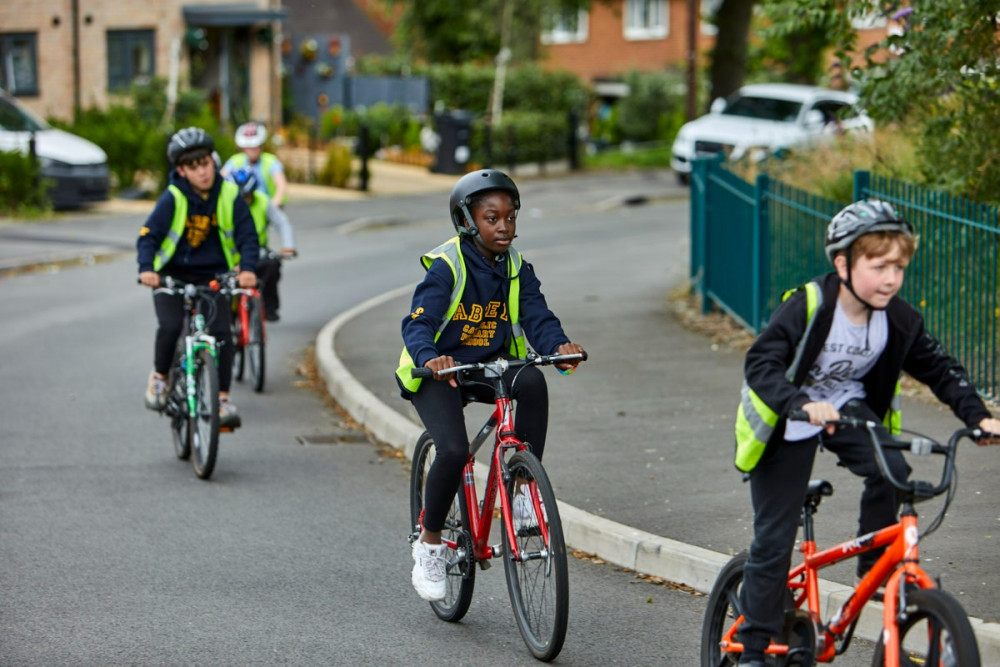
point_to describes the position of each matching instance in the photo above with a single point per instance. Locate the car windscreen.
(13, 119)
(764, 108)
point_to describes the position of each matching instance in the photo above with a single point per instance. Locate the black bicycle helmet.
(860, 218)
(246, 180)
(472, 184)
(188, 140)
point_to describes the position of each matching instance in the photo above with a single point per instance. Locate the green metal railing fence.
(752, 241)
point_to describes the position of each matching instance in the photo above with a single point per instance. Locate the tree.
(939, 75)
(455, 32)
(728, 67)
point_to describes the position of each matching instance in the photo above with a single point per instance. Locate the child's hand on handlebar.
(150, 278)
(820, 413)
(439, 364)
(246, 279)
(990, 425)
(569, 348)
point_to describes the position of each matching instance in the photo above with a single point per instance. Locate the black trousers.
(440, 408)
(269, 273)
(170, 318)
(778, 490)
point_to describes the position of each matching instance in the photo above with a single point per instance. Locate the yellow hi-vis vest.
(267, 160)
(258, 211)
(451, 252)
(755, 420)
(223, 218)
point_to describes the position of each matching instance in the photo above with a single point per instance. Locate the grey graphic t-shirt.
(849, 352)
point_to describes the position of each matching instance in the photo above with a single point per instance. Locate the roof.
(792, 91)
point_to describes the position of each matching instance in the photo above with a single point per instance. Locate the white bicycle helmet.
(860, 218)
(251, 135)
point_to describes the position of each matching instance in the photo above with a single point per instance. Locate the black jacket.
(909, 348)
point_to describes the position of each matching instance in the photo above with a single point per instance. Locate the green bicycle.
(192, 401)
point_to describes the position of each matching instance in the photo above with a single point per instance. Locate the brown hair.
(877, 244)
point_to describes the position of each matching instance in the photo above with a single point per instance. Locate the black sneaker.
(229, 418)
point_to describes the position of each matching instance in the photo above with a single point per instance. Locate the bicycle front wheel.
(254, 351)
(723, 610)
(936, 632)
(461, 572)
(538, 576)
(205, 432)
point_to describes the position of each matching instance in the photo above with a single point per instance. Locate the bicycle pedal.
(226, 429)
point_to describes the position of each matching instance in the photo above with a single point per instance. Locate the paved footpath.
(668, 420)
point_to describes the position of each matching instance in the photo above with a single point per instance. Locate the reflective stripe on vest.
(451, 253)
(266, 161)
(223, 218)
(258, 211)
(755, 420)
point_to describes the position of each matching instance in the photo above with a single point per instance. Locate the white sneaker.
(524, 511)
(429, 571)
(156, 391)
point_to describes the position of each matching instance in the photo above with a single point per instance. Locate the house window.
(646, 19)
(566, 26)
(19, 62)
(131, 58)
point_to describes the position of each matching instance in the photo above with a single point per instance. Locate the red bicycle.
(534, 553)
(922, 625)
(249, 336)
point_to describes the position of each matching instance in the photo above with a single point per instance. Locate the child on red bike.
(478, 301)
(835, 346)
(199, 228)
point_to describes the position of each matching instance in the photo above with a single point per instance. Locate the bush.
(653, 110)
(337, 169)
(20, 190)
(523, 136)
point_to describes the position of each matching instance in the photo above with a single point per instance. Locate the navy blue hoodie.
(199, 250)
(480, 329)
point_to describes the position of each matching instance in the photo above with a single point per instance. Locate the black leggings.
(441, 410)
(269, 273)
(170, 317)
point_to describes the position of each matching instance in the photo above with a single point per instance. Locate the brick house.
(57, 55)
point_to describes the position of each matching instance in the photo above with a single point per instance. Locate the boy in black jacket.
(199, 228)
(836, 346)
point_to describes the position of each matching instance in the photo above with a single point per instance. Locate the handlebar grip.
(798, 416)
(422, 372)
(584, 357)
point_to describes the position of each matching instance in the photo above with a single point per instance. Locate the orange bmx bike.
(922, 624)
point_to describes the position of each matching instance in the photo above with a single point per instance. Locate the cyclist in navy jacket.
(199, 228)
(478, 301)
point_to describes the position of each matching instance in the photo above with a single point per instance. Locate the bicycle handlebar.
(920, 445)
(500, 365)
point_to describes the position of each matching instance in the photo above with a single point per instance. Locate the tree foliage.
(940, 76)
(460, 31)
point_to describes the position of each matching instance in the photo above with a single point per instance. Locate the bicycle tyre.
(722, 611)
(539, 585)
(254, 351)
(239, 355)
(180, 425)
(461, 573)
(936, 632)
(205, 431)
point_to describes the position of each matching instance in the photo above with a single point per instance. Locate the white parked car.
(760, 119)
(76, 167)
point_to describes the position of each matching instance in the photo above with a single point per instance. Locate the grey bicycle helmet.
(860, 218)
(188, 140)
(472, 184)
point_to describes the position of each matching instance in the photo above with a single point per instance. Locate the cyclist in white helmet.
(270, 173)
(834, 346)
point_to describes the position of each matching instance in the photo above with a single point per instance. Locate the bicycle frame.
(501, 425)
(196, 340)
(243, 315)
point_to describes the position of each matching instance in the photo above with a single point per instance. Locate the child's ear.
(840, 264)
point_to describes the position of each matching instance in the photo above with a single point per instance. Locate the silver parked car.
(760, 119)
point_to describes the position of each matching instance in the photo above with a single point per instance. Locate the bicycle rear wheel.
(205, 431)
(254, 351)
(538, 581)
(936, 632)
(180, 425)
(239, 338)
(461, 573)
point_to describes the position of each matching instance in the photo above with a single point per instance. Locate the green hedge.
(20, 190)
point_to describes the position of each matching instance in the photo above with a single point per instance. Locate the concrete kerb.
(613, 542)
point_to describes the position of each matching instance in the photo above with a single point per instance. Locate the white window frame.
(640, 21)
(561, 33)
